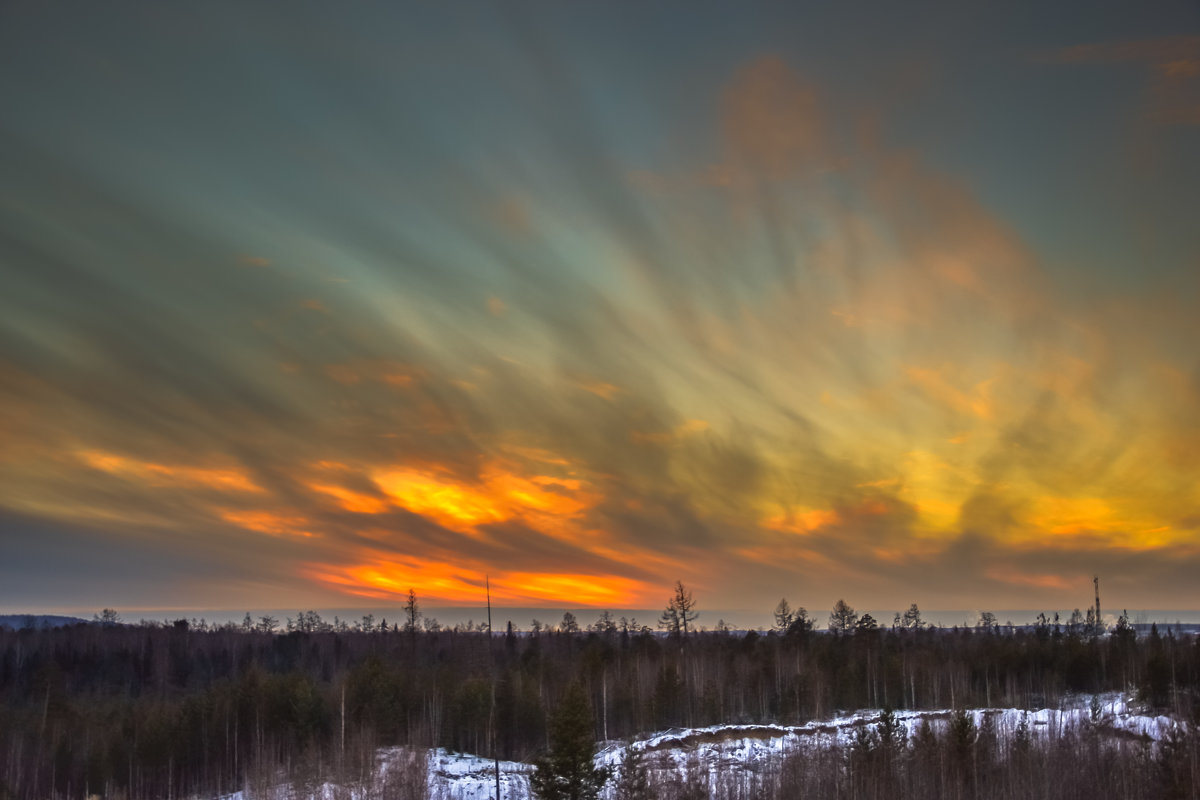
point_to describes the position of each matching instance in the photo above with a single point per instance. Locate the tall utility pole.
(487, 582)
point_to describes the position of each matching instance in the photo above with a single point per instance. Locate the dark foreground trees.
(566, 771)
(155, 711)
(965, 761)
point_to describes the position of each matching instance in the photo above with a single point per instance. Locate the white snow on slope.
(741, 751)
(731, 749)
(458, 776)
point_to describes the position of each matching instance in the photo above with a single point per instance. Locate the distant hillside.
(19, 621)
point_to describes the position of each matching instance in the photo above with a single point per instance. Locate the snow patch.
(746, 750)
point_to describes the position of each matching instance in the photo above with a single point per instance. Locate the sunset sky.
(306, 304)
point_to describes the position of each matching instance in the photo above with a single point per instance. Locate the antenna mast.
(487, 584)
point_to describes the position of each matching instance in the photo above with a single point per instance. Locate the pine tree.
(567, 771)
(843, 618)
(633, 781)
(892, 733)
(912, 618)
(801, 622)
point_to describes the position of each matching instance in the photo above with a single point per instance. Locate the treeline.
(161, 711)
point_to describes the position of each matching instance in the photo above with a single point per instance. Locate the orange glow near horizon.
(540, 491)
(549, 504)
(385, 579)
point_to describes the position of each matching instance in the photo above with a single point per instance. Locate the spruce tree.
(633, 782)
(566, 771)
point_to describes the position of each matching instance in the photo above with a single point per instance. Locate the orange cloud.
(269, 522)
(541, 501)
(599, 388)
(156, 474)
(449, 503)
(681, 431)
(1165, 50)
(588, 590)
(803, 520)
(977, 402)
(350, 500)
(883, 483)
(1175, 61)
(1037, 581)
(343, 374)
(772, 122)
(771, 555)
(535, 454)
(392, 373)
(1073, 515)
(1180, 68)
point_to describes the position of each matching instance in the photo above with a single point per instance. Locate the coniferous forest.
(179, 709)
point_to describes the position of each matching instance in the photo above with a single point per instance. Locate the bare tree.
(412, 612)
(107, 617)
(680, 611)
(783, 616)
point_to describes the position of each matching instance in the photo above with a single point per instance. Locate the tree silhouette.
(912, 618)
(633, 780)
(843, 618)
(784, 617)
(412, 612)
(566, 771)
(680, 611)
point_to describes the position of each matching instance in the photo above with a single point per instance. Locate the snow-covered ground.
(741, 750)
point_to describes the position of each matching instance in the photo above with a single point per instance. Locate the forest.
(180, 709)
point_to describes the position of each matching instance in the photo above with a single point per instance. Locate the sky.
(307, 306)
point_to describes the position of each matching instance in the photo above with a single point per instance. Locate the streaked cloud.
(741, 324)
(1174, 65)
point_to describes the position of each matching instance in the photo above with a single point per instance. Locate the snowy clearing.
(733, 750)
